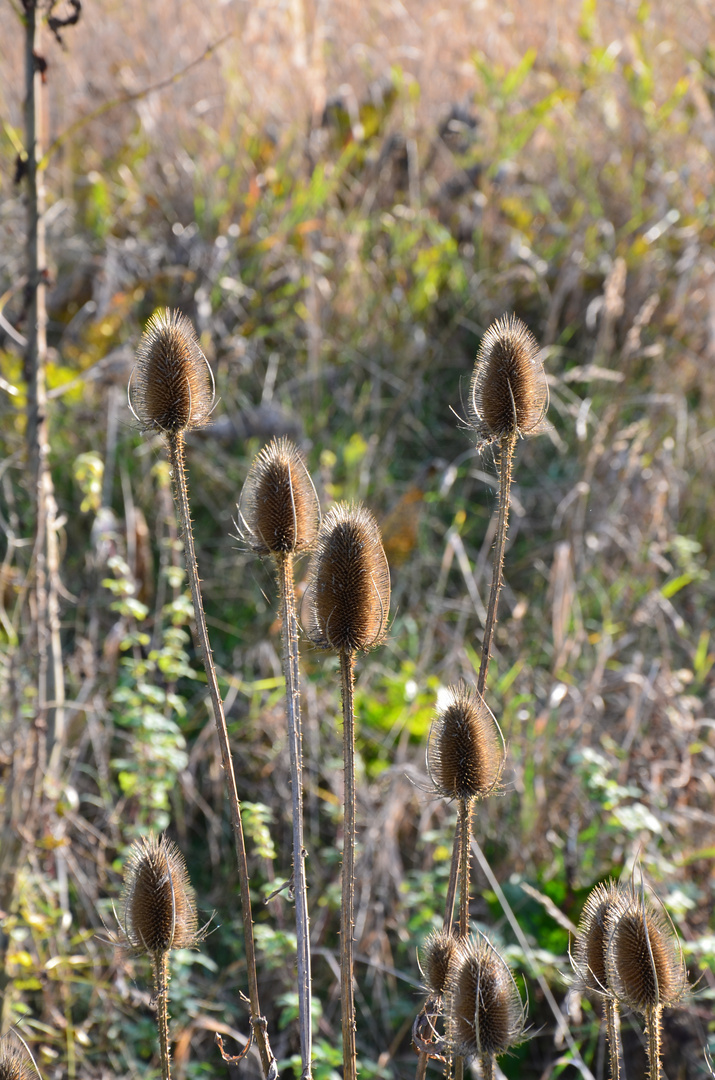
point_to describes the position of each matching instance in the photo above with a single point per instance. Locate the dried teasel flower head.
(589, 954)
(465, 749)
(16, 1061)
(158, 902)
(347, 601)
(171, 388)
(508, 393)
(644, 962)
(485, 1013)
(436, 957)
(278, 512)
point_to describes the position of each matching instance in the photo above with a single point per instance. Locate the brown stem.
(653, 1019)
(465, 831)
(347, 919)
(258, 1024)
(292, 676)
(487, 1063)
(453, 877)
(507, 446)
(613, 1035)
(161, 984)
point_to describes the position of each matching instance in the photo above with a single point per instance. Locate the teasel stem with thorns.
(644, 964)
(347, 604)
(279, 515)
(171, 391)
(159, 914)
(589, 962)
(508, 398)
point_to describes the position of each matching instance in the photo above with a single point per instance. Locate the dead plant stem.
(507, 445)
(347, 920)
(613, 1033)
(161, 983)
(176, 456)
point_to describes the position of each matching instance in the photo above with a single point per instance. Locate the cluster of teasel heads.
(471, 988)
(627, 954)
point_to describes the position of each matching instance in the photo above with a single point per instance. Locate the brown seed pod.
(644, 964)
(348, 596)
(159, 905)
(508, 393)
(278, 512)
(171, 388)
(15, 1060)
(589, 956)
(438, 952)
(485, 1013)
(465, 749)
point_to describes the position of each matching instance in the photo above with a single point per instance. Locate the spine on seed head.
(15, 1060)
(279, 513)
(171, 389)
(465, 749)
(485, 1013)
(158, 903)
(347, 601)
(508, 394)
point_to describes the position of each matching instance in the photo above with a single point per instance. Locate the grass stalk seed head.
(508, 393)
(465, 749)
(171, 388)
(278, 512)
(347, 601)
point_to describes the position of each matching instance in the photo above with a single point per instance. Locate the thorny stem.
(652, 1026)
(487, 1063)
(161, 983)
(291, 672)
(507, 446)
(465, 814)
(176, 457)
(613, 1034)
(347, 673)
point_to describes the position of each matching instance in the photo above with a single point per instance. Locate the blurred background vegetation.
(342, 197)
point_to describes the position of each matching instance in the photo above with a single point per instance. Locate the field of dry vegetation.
(342, 197)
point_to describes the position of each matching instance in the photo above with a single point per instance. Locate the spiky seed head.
(485, 1013)
(465, 749)
(278, 512)
(438, 952)
(15, 1061)
(508, 393)
(347, 601)
(644, 963)
(171, 389)
(589, 957)
(158, 902)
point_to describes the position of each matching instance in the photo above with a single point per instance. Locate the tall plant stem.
(291, 672)
(258, 1023)
(613, 1034)
(161, 983)
(50, 682)
(487, 1063)
(653, 1019)
(507, 446)
(464, 832)
(347, 918)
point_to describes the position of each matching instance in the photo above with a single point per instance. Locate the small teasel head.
(347, 602)
(644, 962)
(465, 749)
(485, 1013)
(436, 957)
(508, 393)
(16, 1061)
(171, 388)
(158, 902)
(278, 513)
(589, 954)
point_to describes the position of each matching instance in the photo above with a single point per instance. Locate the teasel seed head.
(171, 388)
(278, 512)
(16, 1062)
(438, 953)
(485, 1013)
(347, 601)
(465, 749)
(508, 393)
(589, 955)
(159, 905)
(644, 963)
